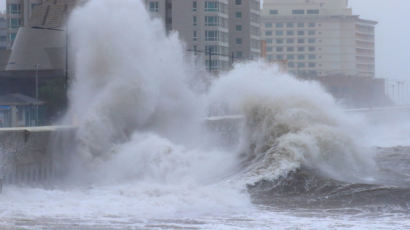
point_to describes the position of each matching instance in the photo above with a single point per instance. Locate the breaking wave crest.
(288, 124)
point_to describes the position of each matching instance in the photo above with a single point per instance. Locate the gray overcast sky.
(392, 34)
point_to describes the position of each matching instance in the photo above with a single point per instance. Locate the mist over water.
(145, 149)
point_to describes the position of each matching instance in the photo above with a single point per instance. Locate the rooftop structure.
(41, 42)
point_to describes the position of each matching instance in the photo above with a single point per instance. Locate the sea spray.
(140, 114)
(141, 119)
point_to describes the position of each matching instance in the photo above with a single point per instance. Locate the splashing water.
(143, 147)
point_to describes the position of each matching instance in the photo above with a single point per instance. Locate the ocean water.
(145, 155)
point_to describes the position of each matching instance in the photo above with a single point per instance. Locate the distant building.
(18, 14)
(318, 38)
(3, 32)
(221, 31)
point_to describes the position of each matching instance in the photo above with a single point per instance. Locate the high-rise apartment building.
(318, 38)
(244, 29)
(221, 31)
(18, 14)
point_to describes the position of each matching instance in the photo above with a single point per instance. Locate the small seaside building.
(18, 110)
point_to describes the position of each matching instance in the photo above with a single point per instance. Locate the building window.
(194, 35)
(211, 6)
(290, 33)
(298, 11)
(255, 18)
(290, 49)
(312, 32)
(279, 25)
(312, 40)
(311, 48)
(238, 14)
(213, 65)
(238, 41)
(312, 24)
(268, 25)
(301, 65)
(312, 11)
(279, 57)
(154, 6)
(269, 49)
(255, 31)
(239, 54)
(290, 57)
(301, 32)
(268, 33)
(13, 36)
(301, 57)
(301, 24)
(211, 20)
(238, 2)
(194, 21)
(273, 12)
(255, 44)
(279, 33)
(279, 49)
(312, 56)
(14, 9)
(14, 23)
(214, 50)
(289, 24)
(279, 41)
(312, 64)
(291, 64)
(301, 40)
(194, 6)
(211, 35)
(301, 49)
(269, 41)
(290, 40)
(238, 28)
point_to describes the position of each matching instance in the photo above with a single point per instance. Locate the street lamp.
(37, 66)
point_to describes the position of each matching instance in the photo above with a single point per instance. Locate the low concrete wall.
(26, 155)
(40, 155)
(384, 114)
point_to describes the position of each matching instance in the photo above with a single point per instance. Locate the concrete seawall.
(26, 155)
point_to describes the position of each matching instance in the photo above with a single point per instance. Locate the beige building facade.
(318, 38)
(209, 28)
